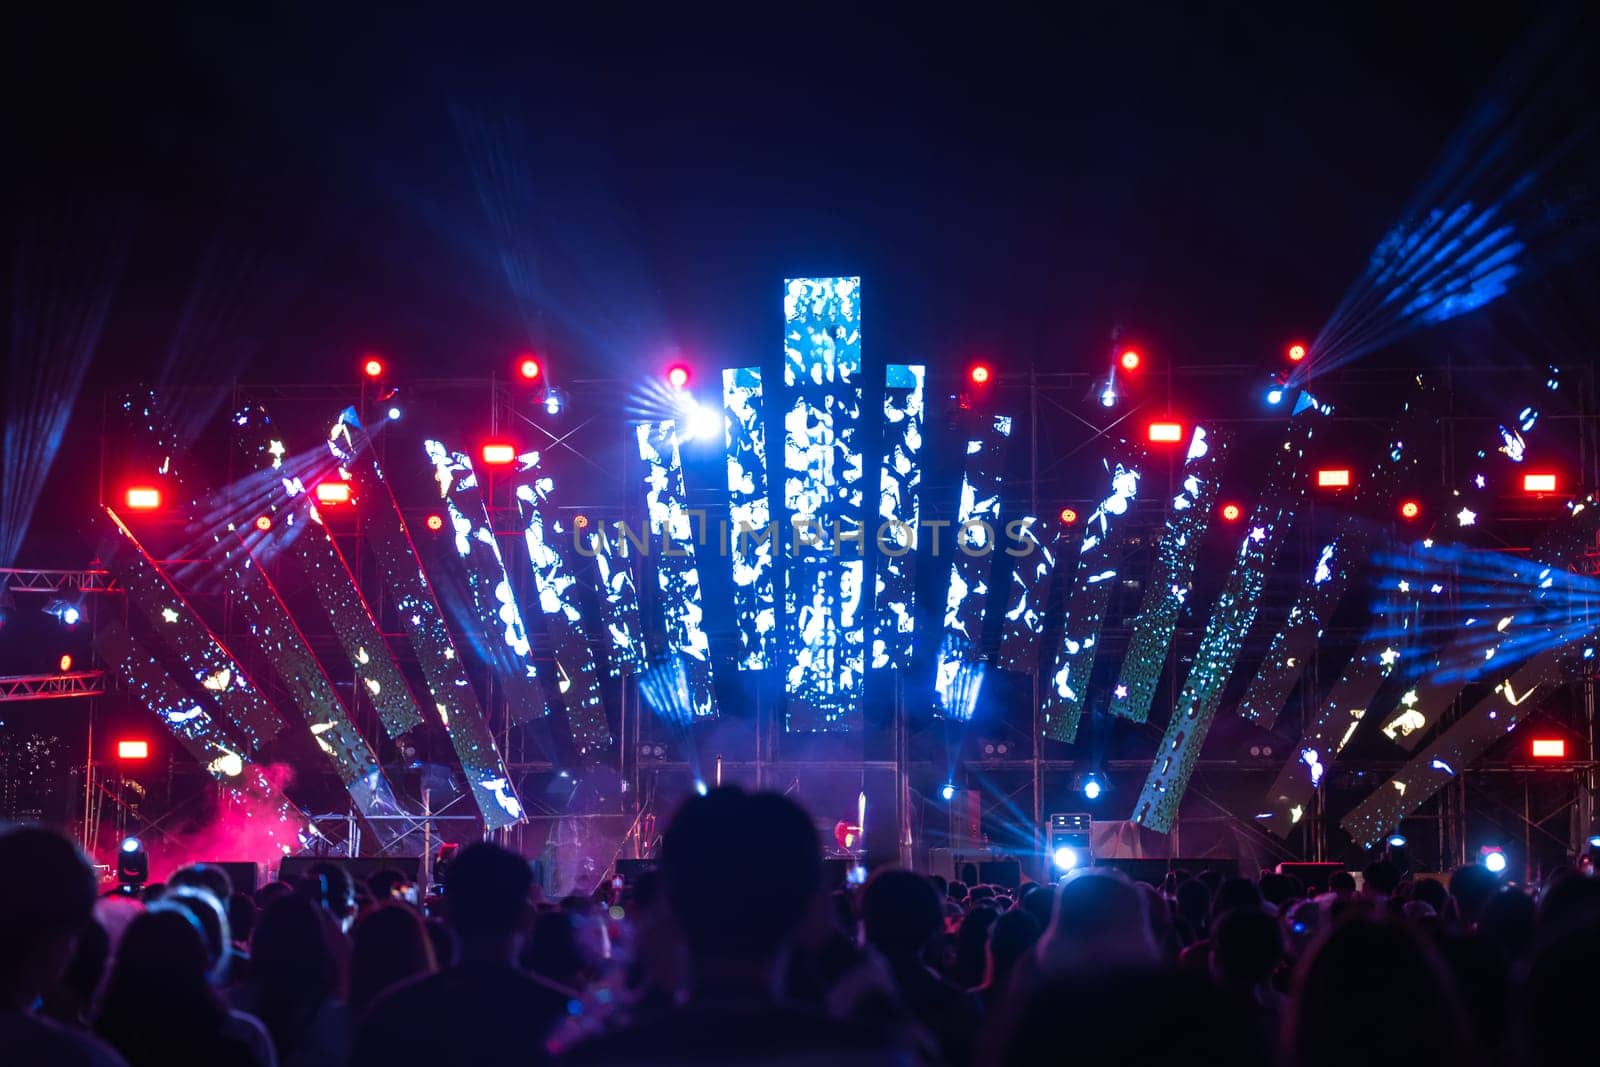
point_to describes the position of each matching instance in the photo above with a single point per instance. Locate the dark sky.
(1013, 183)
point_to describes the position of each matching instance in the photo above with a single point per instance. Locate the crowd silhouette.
(733, 952)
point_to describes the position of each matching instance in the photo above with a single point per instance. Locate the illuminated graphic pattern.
(677, 576)
(297, 523)
(750, 514)
(608, 545)
(425, 629)
(959, 679)
(1489, 720)
(899, 513)
(1086, 602)
(254, 718)
(192, 725)
(824, 633)
(1223, 640)
(558, 602)
(1171, 578)
(1035, 544)
(507, 649)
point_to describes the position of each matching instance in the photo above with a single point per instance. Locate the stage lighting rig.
(333, 492)
(528, 368)
(498, 453)
(1068, 843)
(133, 864)
(132, 750)
(1493, 859)
(1296, 353)
(65, 612)
(979, 374)
(1538, 484)
(678, 376)
(373, 367)
(142, 498)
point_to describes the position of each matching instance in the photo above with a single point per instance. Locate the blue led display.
(752, 545)
(899, 515)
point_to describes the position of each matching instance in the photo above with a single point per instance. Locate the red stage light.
(264, 523)
(333, 492)
(581, 522)
(143, 498)
(1165, 432)
(979, 374)
(1068, 516)
(1549, 748)
(528, 368)
(133, 750)
(1333, 478)
(1231, 512)
(1297, 353)
(498, 453)
(435, 523)
(1410, 509)
(678, 376)
(373, 367)
(1130, 360)
(65, 663)
(1538, 483)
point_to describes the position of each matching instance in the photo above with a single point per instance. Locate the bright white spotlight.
(948, 792)
(701, 422)
(394, 413)
(1092, 788)
(700, 787)
(1274, 396)
(1397, 840)
(1594, 840)
(130, 844)
(1108, 396)
(1494, 860)
(1065, 858)
(552, 403)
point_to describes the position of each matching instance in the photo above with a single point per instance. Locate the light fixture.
(1297, 352)
(1274, 395)
(133, 749)
(498, 453)
(435, 522)
(65, 662)
(979, 374)
(948, 792)
(1493, 858)
(264, 523)
(133, 863)
(678, 376)
(394, 413)
(1130, 360)
(702, 422)
(1548, 748)
(333, 492)
(1396, 840)
(1333, 477)
(373, 367)
(1068, 516)
(1092, 788)
(1410, 509)
(1164, 433)
(528, 368)
(1065, 857)
(142, 498)
(1231, 512)
(1538, 483)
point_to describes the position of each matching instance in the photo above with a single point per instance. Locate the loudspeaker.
(360, 868)
(1314, 876)
(1154, 871)
(244, 874)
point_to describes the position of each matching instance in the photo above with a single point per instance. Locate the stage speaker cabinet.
(244, 874)
(1314, 876)
(360, 868)
(966, 820)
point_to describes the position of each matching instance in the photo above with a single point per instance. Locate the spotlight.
(1594, 840)
(65, 663)
(264, 523)
(1164, 433)
(435, 523)
(1231, 512)
(553, 402)
(700, 786)
(1274, 396)
(949, 791)
(394, 413)
(1548, 748)
(1493, 858)
(1538, 483)
(373, 367)
(143, 498)
(331, 492)
(131, 844)
(1396, 840)
(133, 863)
(133, 750)
(498, 453)
(678, 376)
(1068, 516)
(1068, 842)
(528, 368)
(1130, 360)
(1333, 478)
(979, 373)
(1092, 788)
(702, 422)
(65, 612)
(1297, 352)
(1108, 395)
(1410, 509)
(1065, 858)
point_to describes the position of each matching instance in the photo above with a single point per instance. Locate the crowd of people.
(732, 951)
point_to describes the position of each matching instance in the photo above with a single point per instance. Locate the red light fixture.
(1548, 748)
(1231, 512)
(1130, 360)
(264, 523)
(979, 374)
(1068, 516)
(142, 498)
(1410, 509)
(1538, 483)
(678, 376)
(581, 522)
(1297, 352)
(498, 453)
(373, 367)
(333, 492)
(528, 368)
(435, 523)
(65, 662)
(1333, 478)
(1164, 433)
(133, 750)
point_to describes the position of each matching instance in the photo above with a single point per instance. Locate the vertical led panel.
(505, 646)
(448, 685)
(899, 516)
(1515, 697)
(608, 543)
(194, 727)
(254, 720)
(1231, 618)
(1073, 660)
(753, 539)
(299, 527)
(824, 632)
(1034, 545)
(677, 574)
(557, 590)
(1171, 578)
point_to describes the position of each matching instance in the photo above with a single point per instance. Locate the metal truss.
(49, 581)
(15, 687)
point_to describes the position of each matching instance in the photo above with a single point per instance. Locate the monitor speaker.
(244, 874)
